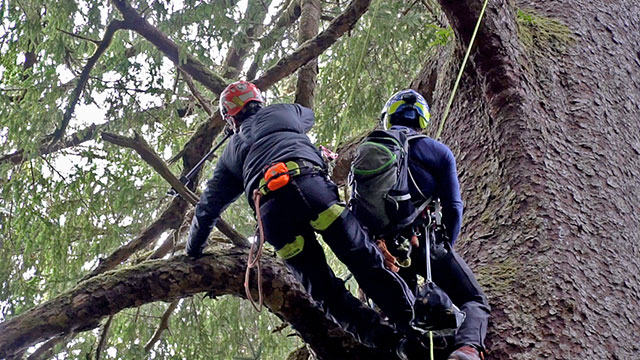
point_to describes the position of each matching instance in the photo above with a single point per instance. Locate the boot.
(466, 352)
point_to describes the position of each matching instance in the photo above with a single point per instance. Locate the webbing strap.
(464, 62)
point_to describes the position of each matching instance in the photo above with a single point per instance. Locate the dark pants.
(310, 203)
(452, 274)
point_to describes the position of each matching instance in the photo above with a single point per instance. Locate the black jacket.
(275, 133)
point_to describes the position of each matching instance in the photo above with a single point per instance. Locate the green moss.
(542, 33)
(498, 277)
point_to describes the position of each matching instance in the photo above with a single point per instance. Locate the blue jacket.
(433, 168)
(275, 133)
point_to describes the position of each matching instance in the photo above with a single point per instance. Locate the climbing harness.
(464, 62)
(276, 176)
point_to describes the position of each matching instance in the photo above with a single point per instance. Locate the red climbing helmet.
(235, 96)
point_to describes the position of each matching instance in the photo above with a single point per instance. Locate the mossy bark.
(548, 142)
(221, 273)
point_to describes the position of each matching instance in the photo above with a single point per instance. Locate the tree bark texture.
(82, 307)
(546, 134)
(309, 23)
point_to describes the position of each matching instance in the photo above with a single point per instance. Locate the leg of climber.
(286, 219)
(351, 244)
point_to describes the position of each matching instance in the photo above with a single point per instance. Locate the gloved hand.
(194, 251)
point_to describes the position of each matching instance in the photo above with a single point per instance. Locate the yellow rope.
(464, 62)
(431, 344)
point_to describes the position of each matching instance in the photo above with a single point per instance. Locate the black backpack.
(379, 180)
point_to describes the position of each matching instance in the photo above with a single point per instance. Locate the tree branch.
(170, 49)
(82, 307)
(147, 154)
(46, 349)
(97, 42)
(164, 324)
(316, 46)
(309, 23)
(75, 139)
(150, 157)
(103, 336)
(112, 28)
(197, 94)
(288, 16)
(242, 42)
(171, 218)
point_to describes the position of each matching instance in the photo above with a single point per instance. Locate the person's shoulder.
(437, 149)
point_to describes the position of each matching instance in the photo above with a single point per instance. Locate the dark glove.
(194, 251)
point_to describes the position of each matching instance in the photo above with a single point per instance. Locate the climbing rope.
(464, 62)
(255, 252)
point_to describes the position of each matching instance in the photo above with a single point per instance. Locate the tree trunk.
(545, 129)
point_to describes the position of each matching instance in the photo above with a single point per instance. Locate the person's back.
(274, 133)
(433, 175)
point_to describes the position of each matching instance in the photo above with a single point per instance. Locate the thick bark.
(83, 307)
(547, 143)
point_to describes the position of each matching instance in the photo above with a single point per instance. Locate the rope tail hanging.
(254, 257)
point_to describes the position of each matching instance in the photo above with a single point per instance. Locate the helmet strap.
(231, 121)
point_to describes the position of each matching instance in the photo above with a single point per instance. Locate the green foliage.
(61, 212)
(401, 37)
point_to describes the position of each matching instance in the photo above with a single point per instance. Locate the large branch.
(83, 307)
(170, 49)
(113, 26)
(309, 23)
(316, 46)
(138, 144)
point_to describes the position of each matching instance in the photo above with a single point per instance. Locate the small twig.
(164, 324)
(112, 28)
(103, 337)
(97, 42)
(197, 93)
